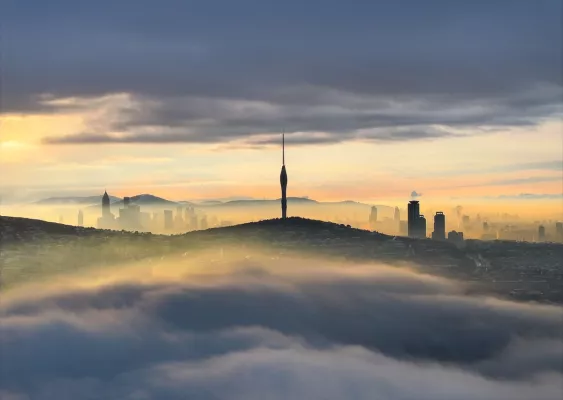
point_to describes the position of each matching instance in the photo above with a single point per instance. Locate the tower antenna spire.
(283, 147)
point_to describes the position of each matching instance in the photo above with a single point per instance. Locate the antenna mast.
(283, 147)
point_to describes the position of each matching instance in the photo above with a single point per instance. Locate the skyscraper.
(559, 230)
(397, 216)
(193, 222)
(439, 226)
(80, 218)
(414, 214)
(541, 233)
(105, 206)
(283, 181)
(168, 220)
(466, 222)
(203, 224)
(107, 220)
(421, 226)
(373, 218)
(416, 222)
(179, 219)
(130, 215)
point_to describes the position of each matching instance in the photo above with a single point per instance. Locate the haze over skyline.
(187, 100)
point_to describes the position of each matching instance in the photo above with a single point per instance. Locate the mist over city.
(281, 200)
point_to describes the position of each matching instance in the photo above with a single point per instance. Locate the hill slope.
(32, 249)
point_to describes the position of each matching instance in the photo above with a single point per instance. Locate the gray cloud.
(214, 71)
(515, 181)
(263, 330)
(381, 135)
(530, 196)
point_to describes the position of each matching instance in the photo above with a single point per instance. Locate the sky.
(455, 100)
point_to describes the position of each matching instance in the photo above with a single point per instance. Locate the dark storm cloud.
(262, 331)
(219, 70)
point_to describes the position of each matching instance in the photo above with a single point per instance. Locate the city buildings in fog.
(421, 226)
(373, 218)
(541, 233)
(168, 220)
(439, 226)
(188, 217)
(465, 222)
(416, 221)
(80, 219)
(403, 228)
(129, 216)
(107, 220)
(397, 220)
(397, 215)
(179, 219)
(194, 225)
(455, 237)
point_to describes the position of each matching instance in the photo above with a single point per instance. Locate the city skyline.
(190, 217)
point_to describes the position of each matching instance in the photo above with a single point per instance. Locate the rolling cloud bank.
(275, 329)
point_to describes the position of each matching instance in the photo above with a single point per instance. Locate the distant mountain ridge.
(70, 200)
(265, 202)
(147, 199)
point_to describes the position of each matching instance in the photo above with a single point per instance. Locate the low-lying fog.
(268, 328)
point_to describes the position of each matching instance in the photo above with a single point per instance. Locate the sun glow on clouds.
(358, 170)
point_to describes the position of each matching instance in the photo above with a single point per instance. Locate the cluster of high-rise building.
(416, 221)
(415, 225)
(439, 226)
(131, 218)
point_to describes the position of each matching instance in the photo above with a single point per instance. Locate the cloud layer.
(325, 71)
(309, 330)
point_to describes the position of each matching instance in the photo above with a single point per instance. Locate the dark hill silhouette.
(16, 229)
(60, 244)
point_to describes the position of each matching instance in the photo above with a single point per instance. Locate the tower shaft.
(283, 181)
